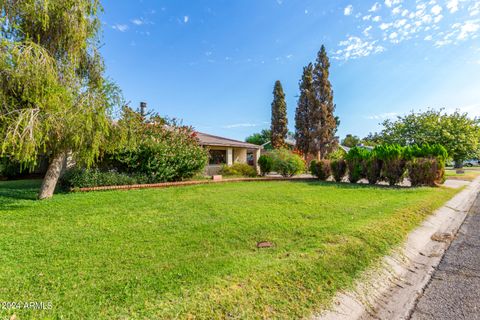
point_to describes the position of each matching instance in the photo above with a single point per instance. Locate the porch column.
(257, 156)
(229, 156)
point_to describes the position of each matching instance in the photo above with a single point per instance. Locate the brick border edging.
(183, 183)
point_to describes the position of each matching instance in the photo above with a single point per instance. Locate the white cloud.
(367, 30)
(186, 19)
(385, 26)
(474, 9)
(355, 47)
(376, 18)
(467, 29)
(452, 6)
(436, 9)
(428, 38)
(137, 22)
(382, 116)
(120, 27)
(367, 17)
(397, 10)
(438, 18)
(239, 125)
(348, 10)
(375, 7)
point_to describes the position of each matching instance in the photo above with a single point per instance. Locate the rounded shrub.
(287, 163)
(238, 169)
(355, 158)
(339, 169)
(423, 171)
(265, 162)
(393, 162)
(324, 170)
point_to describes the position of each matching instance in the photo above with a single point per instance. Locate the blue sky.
(213, 63)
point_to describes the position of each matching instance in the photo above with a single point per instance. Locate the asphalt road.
(454, 291)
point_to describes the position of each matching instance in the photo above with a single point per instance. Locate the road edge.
(391, 291)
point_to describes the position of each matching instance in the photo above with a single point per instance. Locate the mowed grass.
(469, 174)
(191, 252)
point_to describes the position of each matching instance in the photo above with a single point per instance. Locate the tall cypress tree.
(279, 117)
(306, 102)
(322, 116)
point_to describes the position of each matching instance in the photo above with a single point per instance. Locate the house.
(224, 151)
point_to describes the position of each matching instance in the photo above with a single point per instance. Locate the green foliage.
(337, 154)
(265, 163)
(457, 132)
(53, 94)
(87, 178)
(305, 105)
(355, 158)
(260, 138)
(323, 171)
(279, 127)
(350, 141)
(162, 152)
(324, 122)
(114, 243)
(239, 169)
(393, 162)
(339, 169)
(9, 168)
(315, 122)
(372, 168)
(287, 163)
(313, 167)
(424, 172)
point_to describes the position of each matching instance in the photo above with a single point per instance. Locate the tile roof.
(211, 140)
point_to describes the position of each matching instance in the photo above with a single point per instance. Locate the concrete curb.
(392, 291)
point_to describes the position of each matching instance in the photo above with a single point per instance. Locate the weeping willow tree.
(54, 98)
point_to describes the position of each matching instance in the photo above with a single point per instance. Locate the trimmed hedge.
(88, 178)
(323, 169)
(339, 169)
(265, 162)
(287, 163)
(424, 165)
(239, 169)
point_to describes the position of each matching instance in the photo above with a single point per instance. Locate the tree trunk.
(51, 177)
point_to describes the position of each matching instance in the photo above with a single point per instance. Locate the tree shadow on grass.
(348, 185)
(12, 192)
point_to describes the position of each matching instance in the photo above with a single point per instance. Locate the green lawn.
(191, 251)
(469, 174)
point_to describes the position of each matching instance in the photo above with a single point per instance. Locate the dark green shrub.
(355, 158)
(393, 162)
(265, 162)
(164, 154)
(372, 168)
(324, 170)
(313, 167)
(238, 169)
(87, 178)
(339, 169)
(423, 171)
(287, 163)
(9, 168)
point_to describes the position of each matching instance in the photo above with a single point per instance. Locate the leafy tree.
(458, 133)
(305, 104)
(324, 122)
(350, 141)
(54, 99)
(279, 117)
(259, 138)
